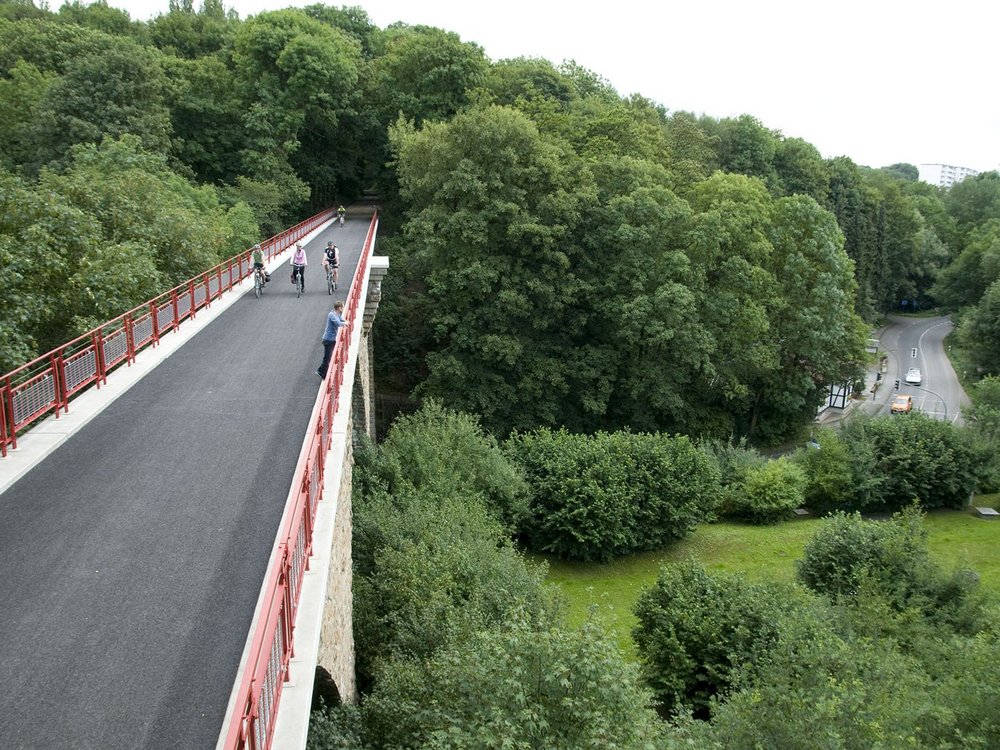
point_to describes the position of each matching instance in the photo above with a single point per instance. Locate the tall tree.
(820, 339)
(424, 73)
(120, 90)
(801, 169)
(493, 209)
(980, 331)
(297, 78)
(728, 245)
(747, 147)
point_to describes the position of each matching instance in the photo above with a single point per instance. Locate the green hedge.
(595, 497)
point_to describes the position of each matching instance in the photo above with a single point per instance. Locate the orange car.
(902, 405)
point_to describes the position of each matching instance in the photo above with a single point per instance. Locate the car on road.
(913, 376)
(902, 404)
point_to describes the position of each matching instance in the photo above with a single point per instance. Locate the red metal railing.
(46, 384)
(251, 726)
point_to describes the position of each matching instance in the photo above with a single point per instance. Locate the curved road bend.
(133, 555)
(919, 342)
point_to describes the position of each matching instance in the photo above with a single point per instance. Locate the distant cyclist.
(299, 263)
(341, 212)
(331, 259)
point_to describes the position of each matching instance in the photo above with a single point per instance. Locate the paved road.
(133, 555)
(918, 342)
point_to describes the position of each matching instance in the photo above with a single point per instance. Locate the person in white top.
(299, 264)
(331, 259)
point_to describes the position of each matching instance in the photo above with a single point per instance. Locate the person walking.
(334, 322)
(299, 263)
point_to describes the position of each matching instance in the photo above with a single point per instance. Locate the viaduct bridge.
(175, 511)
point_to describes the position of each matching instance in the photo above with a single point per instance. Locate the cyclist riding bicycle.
(257, 258)
(331, 260)
(341, 212)
(298, 263)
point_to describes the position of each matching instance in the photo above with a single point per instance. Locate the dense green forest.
(592, 295)
(461, 644)
(562, 255)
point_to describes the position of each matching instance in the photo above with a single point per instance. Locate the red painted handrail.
(46, 383)
(251, 725)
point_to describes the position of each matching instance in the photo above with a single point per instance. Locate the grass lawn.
(608, 591)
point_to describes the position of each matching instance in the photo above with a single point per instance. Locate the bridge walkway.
(133, 554)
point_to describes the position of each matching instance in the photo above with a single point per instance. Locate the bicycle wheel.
(258, 285)
(298, 285)
(329, 283)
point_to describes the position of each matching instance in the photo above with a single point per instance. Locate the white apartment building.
(944, 175)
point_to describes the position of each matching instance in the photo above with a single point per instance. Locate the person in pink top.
(299, 264)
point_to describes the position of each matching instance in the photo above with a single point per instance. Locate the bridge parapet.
(303, 616)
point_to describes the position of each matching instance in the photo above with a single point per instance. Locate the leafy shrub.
(444, 451)
(983, 420)
(517, 688)
(596, 497)
(828, 473)
(770, 492)
(432, 564)
(849, 555)
(430, 570)
(734, 459)
(846, 549)
(818, 690)
(899, 459)
(696, 631)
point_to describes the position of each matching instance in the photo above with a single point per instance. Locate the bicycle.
(331, 279)
(341, 220)
(299, 284)
(258, 281)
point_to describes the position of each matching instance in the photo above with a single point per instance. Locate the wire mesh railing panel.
(165, 317)
(80, 368)
(114, 347)
(183, 305)
(33, 398)
(142, 331)
(199, 295)
(298, 563)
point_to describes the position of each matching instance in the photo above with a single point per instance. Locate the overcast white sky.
(881, 81)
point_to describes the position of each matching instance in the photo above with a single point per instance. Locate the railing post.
(154, 311)
(177, 314)
(129, 338)
(101, 376)
(3, 421)
(61, 398)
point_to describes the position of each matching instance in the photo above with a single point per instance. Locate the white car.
(913, 376)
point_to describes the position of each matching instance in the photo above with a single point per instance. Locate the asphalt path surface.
(919, 342)
(133, 555)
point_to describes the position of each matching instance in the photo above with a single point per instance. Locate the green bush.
(818, 690)
(734, 459)
(429, 570)
(517, 688)
(983, 420)
(444, 451)
(770, 492)
(848, 549)
(600, 496)
(827, 467)
(849, 556)
(696, 631)
(899, 459)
